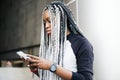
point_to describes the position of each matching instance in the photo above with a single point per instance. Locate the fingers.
(32, 56)
(34, 64)
(33, 61)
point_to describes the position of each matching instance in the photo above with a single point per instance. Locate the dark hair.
(71, 23)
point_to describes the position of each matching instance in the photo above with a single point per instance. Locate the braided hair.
(52, 46)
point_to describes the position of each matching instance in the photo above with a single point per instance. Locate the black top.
(84, 57)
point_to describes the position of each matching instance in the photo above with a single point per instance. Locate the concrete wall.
(19, 23)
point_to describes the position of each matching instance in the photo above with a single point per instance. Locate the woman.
(64, 52)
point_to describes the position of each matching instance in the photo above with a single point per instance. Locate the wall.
(21, 74)
(99, 21)
(19, 23)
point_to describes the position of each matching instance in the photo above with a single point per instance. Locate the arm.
(64, 73)
(85, 58)
(84, 65)
(45, 65)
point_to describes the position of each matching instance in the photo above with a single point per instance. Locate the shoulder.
(79, 43)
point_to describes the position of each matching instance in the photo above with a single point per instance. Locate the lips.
(48, 30)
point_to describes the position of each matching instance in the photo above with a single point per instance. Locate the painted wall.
(99, 20)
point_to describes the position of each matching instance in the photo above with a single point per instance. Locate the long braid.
(52, 46)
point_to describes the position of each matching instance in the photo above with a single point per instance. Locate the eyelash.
(49, 21)
(46, 21)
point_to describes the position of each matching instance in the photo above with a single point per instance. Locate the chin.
(49, 33)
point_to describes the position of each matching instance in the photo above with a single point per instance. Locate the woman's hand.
(37, 62)
(34, 70)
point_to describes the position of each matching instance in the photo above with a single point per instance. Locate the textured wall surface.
(20, 22)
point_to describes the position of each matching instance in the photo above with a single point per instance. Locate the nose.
(47, 25)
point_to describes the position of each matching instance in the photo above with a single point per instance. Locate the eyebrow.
(46, 19)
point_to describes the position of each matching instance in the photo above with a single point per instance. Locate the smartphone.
(22, 55)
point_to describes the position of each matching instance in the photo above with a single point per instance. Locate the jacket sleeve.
(84, 58)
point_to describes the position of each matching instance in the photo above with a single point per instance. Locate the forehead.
(46, 16)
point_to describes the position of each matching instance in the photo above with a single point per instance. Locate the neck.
(68, 32)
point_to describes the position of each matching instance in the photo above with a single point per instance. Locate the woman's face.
(47, 22)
